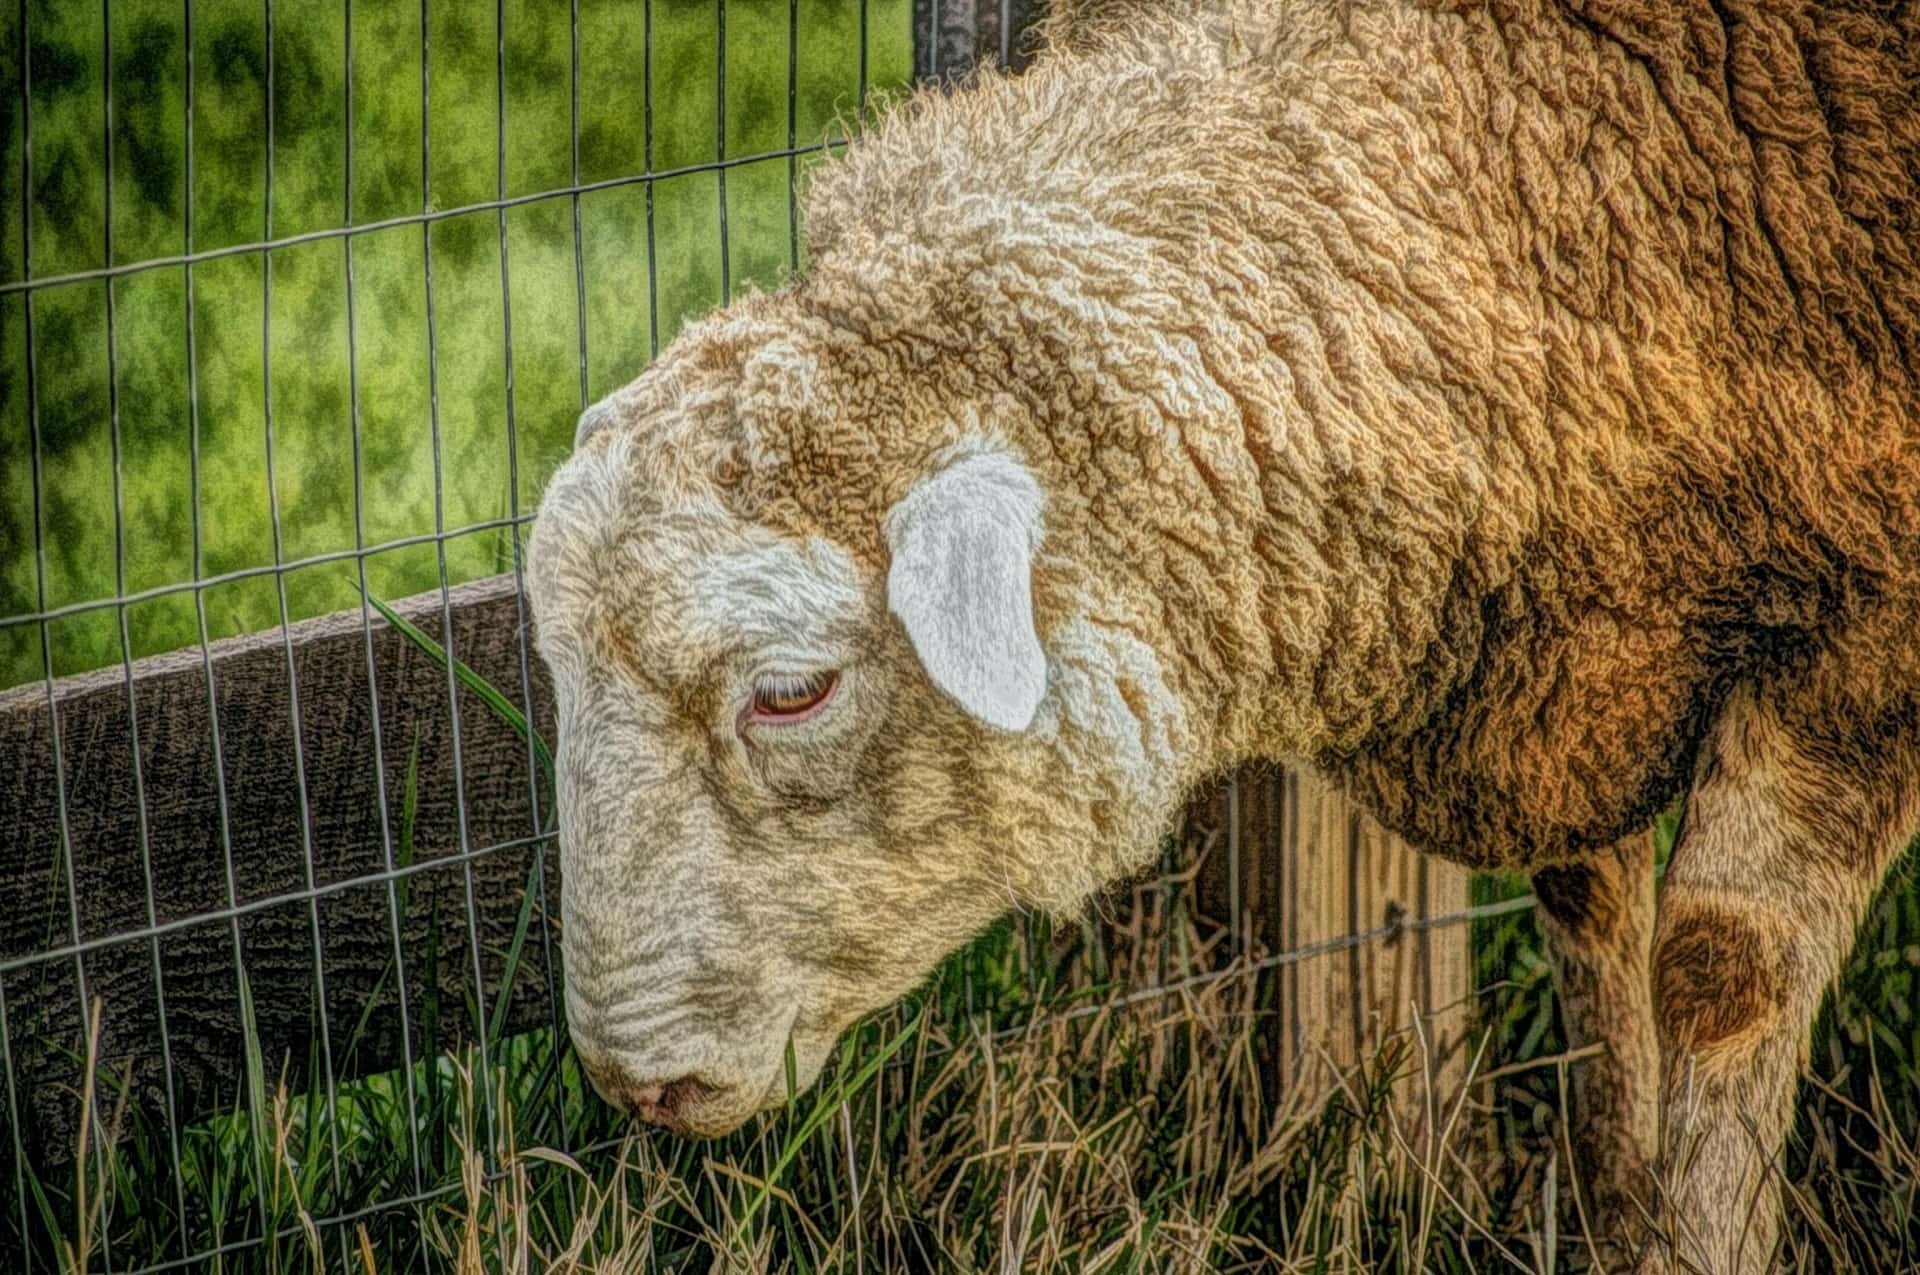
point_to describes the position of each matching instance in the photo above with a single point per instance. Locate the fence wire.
(994, 32)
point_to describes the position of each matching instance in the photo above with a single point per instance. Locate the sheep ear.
(961, 582)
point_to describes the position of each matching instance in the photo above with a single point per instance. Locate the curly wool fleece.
(1510, 408)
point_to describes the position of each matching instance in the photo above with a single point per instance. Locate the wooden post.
(1309, 872)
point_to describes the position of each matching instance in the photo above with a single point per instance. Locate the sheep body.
(1505, 388)
(1510, 408)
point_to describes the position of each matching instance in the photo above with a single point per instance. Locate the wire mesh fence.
(298, 303)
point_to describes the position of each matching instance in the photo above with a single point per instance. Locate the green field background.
(269, 339)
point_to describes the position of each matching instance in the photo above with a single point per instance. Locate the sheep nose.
(663, 1103)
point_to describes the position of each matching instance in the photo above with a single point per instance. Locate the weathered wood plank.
(245, 776)
(1313, 869)
(1446, 976)
(1354, 878)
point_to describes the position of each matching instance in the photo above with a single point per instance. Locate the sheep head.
(813, 732)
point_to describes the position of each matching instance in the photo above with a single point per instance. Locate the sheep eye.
(784, 698)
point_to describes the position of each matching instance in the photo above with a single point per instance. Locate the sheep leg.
(1598, 918)
(1803, 796)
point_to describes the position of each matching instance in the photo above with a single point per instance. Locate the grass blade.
(470, 679)
(823, 1110)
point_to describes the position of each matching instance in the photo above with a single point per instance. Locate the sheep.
(1509, 409)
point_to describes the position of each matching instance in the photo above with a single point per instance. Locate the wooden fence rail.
(262, 786)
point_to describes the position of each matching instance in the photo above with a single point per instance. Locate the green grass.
(276, 328)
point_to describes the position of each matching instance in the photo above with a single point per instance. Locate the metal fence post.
(952, 37)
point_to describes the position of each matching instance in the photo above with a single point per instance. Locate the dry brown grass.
(1097, 1101)
(1132, 1132)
